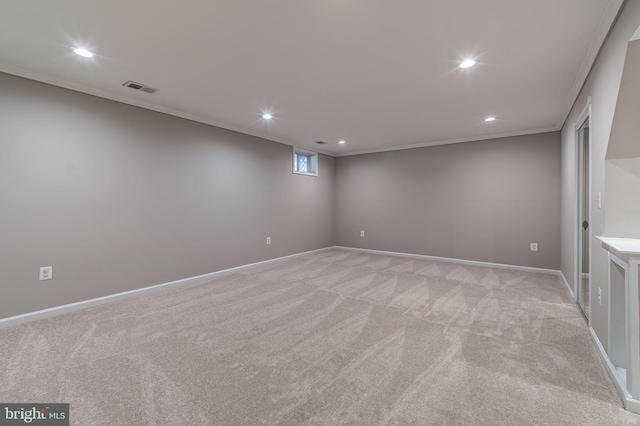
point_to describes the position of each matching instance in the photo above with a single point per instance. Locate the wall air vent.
(140, 87)
(321, 142)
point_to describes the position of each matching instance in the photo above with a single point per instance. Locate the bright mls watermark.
(34, 414)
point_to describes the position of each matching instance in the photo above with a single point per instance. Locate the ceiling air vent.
(321, 142)
(140, 87)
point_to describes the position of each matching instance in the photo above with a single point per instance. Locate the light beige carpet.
(332, 338)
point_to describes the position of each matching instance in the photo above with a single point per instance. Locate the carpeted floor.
(334, 337)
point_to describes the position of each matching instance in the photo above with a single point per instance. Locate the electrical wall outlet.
(46, 273)
(268, 240)
(534, 246)
(362, 233)
(599, 295)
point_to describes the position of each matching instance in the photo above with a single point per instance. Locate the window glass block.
(303, 163)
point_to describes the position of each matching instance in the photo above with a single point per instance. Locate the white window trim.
(313, 158)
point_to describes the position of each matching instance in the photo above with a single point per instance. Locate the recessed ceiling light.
(267, 116)
(342, 142)
(467, 64)
(490, 119)
(83, 52)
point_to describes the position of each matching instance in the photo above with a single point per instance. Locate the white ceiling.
(380, 74)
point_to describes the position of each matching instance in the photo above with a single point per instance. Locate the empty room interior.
(320, 213)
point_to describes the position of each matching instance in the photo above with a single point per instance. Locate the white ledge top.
(628, 246)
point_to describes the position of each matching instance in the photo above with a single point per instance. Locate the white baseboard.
(630, 403)
(610, 367)
(57, 310)
(568, 286)
(450, 260)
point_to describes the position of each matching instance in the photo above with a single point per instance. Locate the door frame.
(585, 115)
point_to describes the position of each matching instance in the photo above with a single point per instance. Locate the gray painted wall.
(116, 197)
(622, 165)
(484, 201)
(602, 85)
(625, 130)
(622, 204)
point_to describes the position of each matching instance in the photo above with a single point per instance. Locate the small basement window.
(305, 162)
